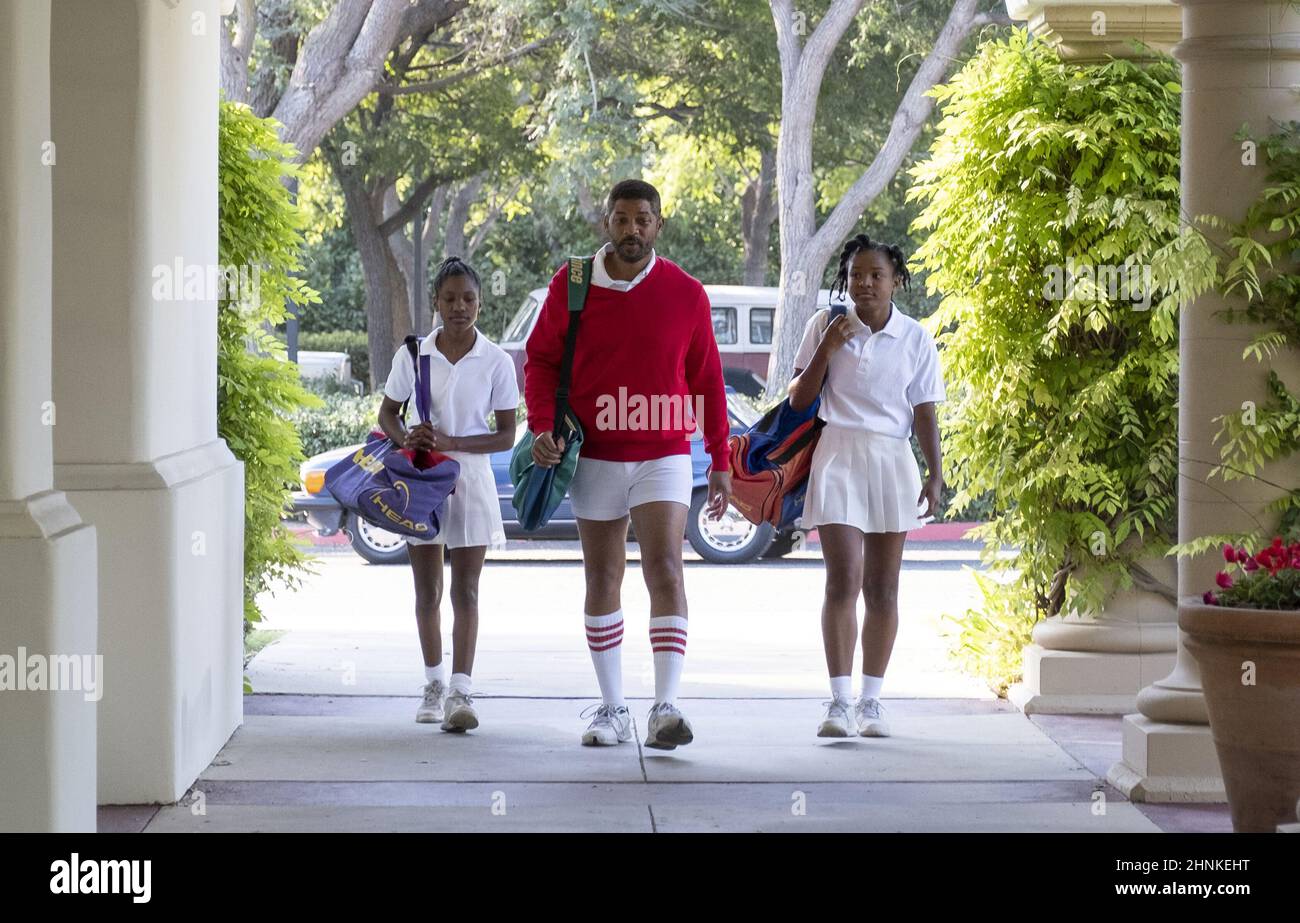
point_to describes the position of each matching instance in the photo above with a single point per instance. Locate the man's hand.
(930, 496)
(546, 454)
(719, 493)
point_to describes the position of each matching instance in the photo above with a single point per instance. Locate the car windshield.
(741, 409)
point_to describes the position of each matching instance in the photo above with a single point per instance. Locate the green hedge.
(343, 420)
(1062, 397)
(352, 342)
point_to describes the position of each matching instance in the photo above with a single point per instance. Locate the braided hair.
(454, 266)
(858, 244)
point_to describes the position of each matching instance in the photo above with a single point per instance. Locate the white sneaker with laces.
(611, 725)
(430, 710)
(667, 728)
(460, 712)
(871, 718)
(837, 722)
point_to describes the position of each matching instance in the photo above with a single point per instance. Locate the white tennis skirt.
(863, 479)
(472, 515)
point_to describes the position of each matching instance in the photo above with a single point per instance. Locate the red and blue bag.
(394, 488)
(771, 460)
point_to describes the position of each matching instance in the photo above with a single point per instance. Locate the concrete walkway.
(329, 741)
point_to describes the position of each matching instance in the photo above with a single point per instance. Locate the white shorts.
(472, 514)
(609, 489)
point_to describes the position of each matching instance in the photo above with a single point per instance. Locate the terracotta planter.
(1256, 728)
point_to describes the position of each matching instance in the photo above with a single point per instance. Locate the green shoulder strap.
(579, 285)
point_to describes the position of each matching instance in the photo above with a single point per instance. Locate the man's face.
(632, 227)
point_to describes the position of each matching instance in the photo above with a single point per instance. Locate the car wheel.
(731, 540)
(376, 545)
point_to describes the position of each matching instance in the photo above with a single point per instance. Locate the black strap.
(413, 347)
(579, 285)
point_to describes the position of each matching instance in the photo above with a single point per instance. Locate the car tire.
(782, 544)
(732, 540)
(376, 545)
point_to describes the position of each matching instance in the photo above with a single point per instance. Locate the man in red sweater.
(645, 367)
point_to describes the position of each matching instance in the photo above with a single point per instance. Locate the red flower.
(1277, 541)
(1251, 563)
(1210, 599)
(1223, 580)
(1229, 554)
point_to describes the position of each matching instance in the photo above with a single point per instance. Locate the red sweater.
(646, 359)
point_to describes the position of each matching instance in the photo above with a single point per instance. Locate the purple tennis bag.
(394, 488)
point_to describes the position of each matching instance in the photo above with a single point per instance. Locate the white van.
(742, 325)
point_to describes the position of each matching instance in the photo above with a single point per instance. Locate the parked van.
(742, 325)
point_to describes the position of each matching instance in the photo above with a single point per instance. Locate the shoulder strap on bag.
(579, 285)
(413, 347)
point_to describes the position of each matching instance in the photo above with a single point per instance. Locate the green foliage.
(988, 641)
(341, 419)
(257, 388)
(1260, 279)
(1062, 402)
(352, 342)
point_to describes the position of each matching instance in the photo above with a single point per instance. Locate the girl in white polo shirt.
(470, 377)
(881, 376)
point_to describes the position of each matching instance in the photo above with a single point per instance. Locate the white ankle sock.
(438, 672)
(460, 682)
(668, 641)
(841, 687)
(605, 641)
(871, 686)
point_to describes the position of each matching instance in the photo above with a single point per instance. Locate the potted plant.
(1246, 637)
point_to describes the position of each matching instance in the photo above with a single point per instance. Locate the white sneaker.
(460, 712)
(430, 710)
(667, 728)
(871, 718)
(837, 722)
(611, 725)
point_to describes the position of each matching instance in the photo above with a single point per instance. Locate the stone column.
(47, 555)
(1078, 664)
(1241, 60)
(135, 89)
(1081, 665)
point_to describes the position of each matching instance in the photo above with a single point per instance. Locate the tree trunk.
(388, 318)
(454, 238)
(806, 249)
(757, 213)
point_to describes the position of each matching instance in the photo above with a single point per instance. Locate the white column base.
(1168, 763)
(47, 578)
(1085, 682)
(170, 615)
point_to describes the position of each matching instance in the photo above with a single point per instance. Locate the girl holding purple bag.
(470, 377)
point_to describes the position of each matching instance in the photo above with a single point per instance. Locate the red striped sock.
(668, 641)
(605, 641)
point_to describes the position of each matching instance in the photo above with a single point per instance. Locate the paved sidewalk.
(329, 741)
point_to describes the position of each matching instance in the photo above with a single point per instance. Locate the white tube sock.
(841, 687)
(605, 641)
(460, 682)
(668, 642)
(438, 672)
(871, 686)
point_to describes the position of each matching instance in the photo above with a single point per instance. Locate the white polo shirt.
(876, 378)
(600, 276)
(462, 395)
